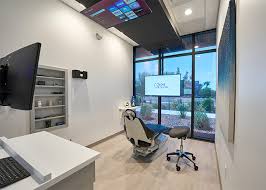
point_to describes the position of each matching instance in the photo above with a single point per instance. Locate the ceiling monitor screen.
(162, 85)
(109, 13)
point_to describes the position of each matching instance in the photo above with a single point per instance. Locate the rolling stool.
(181, 133)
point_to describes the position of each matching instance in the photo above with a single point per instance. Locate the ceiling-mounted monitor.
(109, 13)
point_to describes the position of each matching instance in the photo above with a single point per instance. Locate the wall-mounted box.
(76, 74)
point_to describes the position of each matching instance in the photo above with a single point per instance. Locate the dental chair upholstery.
(144, 140)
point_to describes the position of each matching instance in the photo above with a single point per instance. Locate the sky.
(205, 67)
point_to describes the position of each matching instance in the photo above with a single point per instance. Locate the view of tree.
(208, 105)
(206, 91)
(207, 84)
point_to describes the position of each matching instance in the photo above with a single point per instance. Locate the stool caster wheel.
(194, 158)
(196, 168)
(178, 168)
(168, 158)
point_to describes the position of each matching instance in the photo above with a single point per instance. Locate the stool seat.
(179, 132)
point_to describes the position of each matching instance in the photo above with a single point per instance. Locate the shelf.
(50, 118)
(51, 128)
(49, 95)
(46, 86)
(53, 78)
(47, 107)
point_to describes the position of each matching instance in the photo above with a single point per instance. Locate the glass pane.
(185, 46)
(205, 41)
(176, 111)
(142, 54)
(148, 110)
(205, 96)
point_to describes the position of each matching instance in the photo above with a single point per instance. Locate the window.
(176, 111)
(205, 96)
(148, 110)
(194, 58)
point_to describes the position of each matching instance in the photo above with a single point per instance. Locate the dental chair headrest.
(130, 114)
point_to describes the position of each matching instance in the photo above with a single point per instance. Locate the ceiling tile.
(197, 6)
(203, 17)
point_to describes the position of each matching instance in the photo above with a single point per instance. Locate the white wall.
(246, 167)
(68, 41)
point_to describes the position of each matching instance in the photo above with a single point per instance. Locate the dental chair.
(145, 141)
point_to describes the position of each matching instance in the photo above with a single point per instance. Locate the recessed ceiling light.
(188, 12)
(196, 47)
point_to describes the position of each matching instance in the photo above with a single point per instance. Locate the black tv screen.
(109, 13)
(21, 76)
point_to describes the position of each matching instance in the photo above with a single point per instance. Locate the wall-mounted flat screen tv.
(162, 85)
(109, 13)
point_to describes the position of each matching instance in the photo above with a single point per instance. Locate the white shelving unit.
(51, 93)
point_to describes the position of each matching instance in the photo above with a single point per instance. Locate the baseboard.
(218, 168)
(105, 139)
